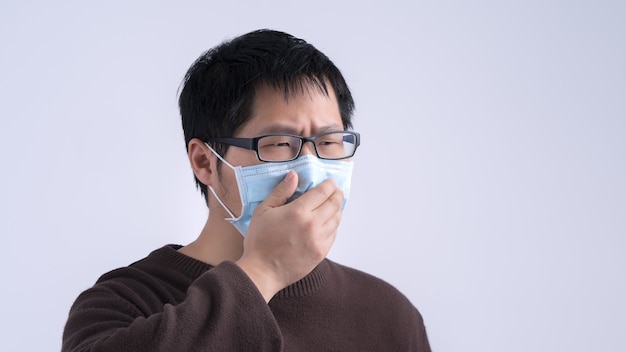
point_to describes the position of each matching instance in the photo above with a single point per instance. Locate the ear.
(202, 160)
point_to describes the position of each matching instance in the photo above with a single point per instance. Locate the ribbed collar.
(193, 268)
(307, 285)
(170, 257)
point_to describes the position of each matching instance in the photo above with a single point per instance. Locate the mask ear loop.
(232, 216)
(219, 156)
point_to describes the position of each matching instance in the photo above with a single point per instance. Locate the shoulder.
(374, 302)
(163, 264)
(368, 288)
(161, 277)
(361, 279)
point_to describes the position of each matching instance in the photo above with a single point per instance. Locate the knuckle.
(296, 213)
(309, 225)
(338, 199)
(319, 254)
(327, 187)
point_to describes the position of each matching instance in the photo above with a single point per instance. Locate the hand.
(285, 242)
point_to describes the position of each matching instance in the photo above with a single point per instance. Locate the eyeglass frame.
(253, 144)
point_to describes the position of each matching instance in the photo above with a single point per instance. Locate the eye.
(281, 144)
(275, 142)
(278, 147)
(329, 140)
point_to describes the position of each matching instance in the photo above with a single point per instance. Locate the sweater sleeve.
(419, 340)
(222, 311)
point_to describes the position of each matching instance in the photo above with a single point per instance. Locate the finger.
(282, 191)
(327, 242)
(329, 212)
(317, 195)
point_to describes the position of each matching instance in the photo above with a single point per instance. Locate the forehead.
(305, 109)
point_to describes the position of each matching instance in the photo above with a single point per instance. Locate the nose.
(308, 149)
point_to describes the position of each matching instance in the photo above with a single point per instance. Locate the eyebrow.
(280, 128)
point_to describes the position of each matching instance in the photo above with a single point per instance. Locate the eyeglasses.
(285, 147)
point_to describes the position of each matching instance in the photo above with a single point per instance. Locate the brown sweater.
(171, 302)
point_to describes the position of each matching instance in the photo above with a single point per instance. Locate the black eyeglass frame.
(253, 144)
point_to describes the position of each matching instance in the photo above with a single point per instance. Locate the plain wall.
(490, 187)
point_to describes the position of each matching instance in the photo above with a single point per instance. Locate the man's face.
(305, 114)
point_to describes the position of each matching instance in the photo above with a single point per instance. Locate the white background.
(490, 187)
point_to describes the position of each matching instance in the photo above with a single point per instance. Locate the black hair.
(219, 88)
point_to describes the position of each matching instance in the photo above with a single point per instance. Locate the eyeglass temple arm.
(349, 138)
(247, 143)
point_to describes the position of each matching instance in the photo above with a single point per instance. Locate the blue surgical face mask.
(257, 182)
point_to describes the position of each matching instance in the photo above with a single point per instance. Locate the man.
(267, 121)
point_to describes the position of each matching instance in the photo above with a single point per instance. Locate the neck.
(219, 241)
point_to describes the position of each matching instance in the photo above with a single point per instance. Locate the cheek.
(227, 181)
(229, 191)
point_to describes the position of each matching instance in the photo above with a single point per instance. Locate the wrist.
(264, 279)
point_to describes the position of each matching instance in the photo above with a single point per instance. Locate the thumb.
(282, 191)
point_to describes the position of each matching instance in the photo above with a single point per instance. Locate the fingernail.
(289, 176)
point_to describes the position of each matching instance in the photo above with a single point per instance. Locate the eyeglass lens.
(336, 145)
